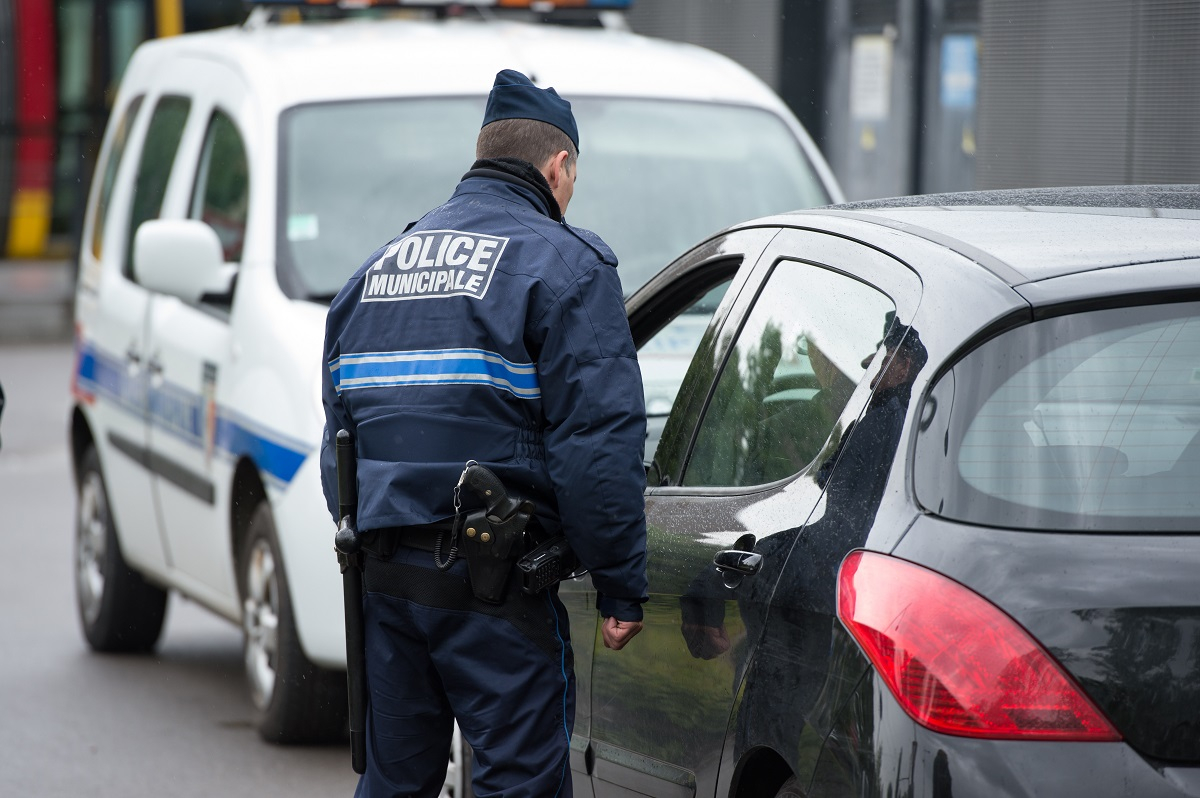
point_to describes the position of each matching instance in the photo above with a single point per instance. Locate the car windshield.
(1085, 421)
(655, 177)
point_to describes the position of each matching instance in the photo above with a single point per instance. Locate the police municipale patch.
(432, 264)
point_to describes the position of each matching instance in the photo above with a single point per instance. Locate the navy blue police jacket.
(491, 330)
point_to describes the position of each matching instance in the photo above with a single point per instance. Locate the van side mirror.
(181, 257)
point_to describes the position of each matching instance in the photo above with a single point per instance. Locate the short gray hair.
(528, 139)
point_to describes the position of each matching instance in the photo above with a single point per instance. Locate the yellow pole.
(29, 223)
(169, 14)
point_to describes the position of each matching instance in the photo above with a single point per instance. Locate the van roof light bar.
(581, 13)
(540, 6)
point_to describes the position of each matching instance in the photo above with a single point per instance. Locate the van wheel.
(119, 611)
(295, 701)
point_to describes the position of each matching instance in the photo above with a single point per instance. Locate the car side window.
(222, 193)
(154, 167)
(115, 154)
(664, 360)
(803, 349)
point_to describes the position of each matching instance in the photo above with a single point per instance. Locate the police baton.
(349, 549)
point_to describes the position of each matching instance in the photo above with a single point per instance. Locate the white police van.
(245, 173)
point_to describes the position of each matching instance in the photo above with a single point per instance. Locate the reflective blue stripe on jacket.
(490, 332)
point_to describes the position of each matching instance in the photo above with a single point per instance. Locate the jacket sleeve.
(336, 417)
(595, 435)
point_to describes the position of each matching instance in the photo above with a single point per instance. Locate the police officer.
(490, 330)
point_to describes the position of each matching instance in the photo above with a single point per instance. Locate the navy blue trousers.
(434, 654)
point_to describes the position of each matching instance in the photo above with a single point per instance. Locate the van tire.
(295, 701)
(119, 611)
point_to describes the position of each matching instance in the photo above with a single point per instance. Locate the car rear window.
(1088, 421)
(654, 177)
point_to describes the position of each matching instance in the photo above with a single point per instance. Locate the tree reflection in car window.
(803, 349)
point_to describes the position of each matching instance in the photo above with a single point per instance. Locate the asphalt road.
(73, 723)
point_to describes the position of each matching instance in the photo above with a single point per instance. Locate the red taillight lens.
(956, 663)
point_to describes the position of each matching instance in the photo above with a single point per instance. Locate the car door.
(761, 410)
(670, 317)
(111, 374)
(191, 347)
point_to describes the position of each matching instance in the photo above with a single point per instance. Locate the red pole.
(36, 117)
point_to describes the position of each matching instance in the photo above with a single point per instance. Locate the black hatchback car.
(924, 507)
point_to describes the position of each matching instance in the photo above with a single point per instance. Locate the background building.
(1078, 92)
(920, 96)
(903, 96)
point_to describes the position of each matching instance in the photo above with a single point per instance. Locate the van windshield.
(655, 177)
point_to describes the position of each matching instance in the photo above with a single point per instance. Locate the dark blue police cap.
(515, 97)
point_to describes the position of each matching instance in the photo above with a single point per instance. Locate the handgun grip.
(491, 492)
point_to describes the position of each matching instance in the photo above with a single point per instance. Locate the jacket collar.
(522, 176)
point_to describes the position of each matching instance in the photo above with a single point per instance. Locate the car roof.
(1031, 235)
(288, 64)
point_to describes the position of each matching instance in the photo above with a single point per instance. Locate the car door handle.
(742, 563)
(155, 366)
(133, 357)
(735, 565)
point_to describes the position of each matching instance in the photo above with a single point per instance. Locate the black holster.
(491, 548)
(492, 539)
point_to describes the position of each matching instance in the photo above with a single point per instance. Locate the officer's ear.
(555, 170)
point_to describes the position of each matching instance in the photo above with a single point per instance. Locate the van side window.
(154, 168)
(115, 153)
(222, 194)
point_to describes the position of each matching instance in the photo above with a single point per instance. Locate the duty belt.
(383, 542)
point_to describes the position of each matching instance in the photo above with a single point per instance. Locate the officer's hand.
(617, 633)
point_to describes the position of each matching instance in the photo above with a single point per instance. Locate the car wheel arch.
(760, 771)
(248, 490)
(82, 439)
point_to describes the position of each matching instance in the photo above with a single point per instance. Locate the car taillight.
(956, 663)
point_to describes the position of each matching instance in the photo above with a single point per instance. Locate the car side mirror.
(181, 257)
